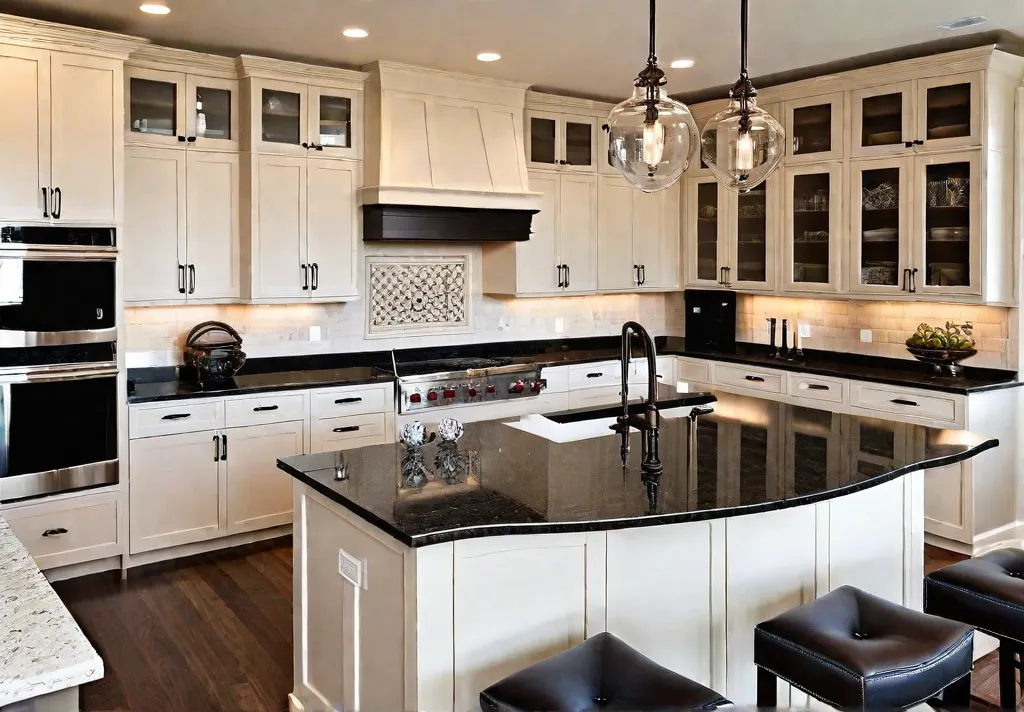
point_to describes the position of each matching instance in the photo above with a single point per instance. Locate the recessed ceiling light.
(356, 33)
(154, 9)
(963, 22)
(488, 56)
(681, 63)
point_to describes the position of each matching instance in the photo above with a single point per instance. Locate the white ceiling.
(585, 47)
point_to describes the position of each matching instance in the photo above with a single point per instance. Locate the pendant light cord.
(743, 38)
(651, 57)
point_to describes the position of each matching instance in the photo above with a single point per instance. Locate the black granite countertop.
(291, 372)
(751, 455)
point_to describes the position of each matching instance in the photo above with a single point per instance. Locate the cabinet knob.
(305, 145)
(181, 139)
(191, 139)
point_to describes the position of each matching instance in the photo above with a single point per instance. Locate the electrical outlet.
(314, 333)
(805, 331)
(559, 325)
(865, 335)
(351, 569)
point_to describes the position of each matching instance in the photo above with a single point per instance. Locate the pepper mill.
(771, 330)
(784, 351)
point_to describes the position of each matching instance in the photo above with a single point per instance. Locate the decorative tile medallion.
(409, 294)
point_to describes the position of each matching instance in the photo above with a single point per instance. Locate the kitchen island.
(421, 577)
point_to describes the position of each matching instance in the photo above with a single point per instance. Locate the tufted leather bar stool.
(988, 593)
(602, 673)
(852, 650)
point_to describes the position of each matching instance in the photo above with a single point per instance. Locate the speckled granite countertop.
(42, 649)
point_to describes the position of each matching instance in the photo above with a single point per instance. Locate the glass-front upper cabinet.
(332, 125)
(706, 232)
(880, 217)
(171, 108)
(753, 237)
(949, 111)
(562, 141)
(812, 227)
(947, 231)
(814, 128)
(882, 119)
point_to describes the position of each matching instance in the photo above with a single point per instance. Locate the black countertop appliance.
(710, 320)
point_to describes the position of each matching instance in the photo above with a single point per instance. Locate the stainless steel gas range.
(430, 388)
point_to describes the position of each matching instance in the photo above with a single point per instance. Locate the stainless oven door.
(59, 430)
(57, 299)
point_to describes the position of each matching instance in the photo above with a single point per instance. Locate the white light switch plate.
(314, 333)
(865, 335)
(351, 569)
(805, 331)
(559, 325)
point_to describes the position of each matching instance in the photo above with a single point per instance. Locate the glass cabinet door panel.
(707, 231)
(948, 111)
(335, 121)
(812, 129)
(751, 235)
(153, 106)
(281, 116)
(811, 228)
(947, 236)
(881, 227)
(543, 140)
(579, 144)
(881, 120)
(213, 113)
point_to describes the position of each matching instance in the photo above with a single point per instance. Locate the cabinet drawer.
(751, 378)
(690, 370)
(909, 404)
(818, 388)
(336, 402)
(592, 375)
(348, 432)
(68, 531)
(271, 408)
(557, 378)
(187, 416)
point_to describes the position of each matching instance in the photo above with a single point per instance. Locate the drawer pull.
(352, 399)
(594, 375)
(903, 401)
(262, 408)
(177, 416)
(817, 387)
(347, 429)
(55, 532)
(755, 379)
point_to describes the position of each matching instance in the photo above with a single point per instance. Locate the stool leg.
(958, 695)
(767, 689)
(1007, 675)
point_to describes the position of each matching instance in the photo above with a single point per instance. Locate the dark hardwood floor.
(209, 633)
(213, 633)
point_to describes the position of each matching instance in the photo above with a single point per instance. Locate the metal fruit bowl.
(940, 357)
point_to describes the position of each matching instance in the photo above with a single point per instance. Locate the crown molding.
(53, 36)
(556, 102)
(183, 60)
(383, 66)
(268, 68)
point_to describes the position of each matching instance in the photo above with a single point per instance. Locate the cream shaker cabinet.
(259, 495)
(61, 150)
(638, 237)
(181, 227)
(304, 229)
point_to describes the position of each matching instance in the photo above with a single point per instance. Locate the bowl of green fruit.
(943, 347)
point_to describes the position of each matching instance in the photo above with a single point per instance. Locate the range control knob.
(449, 393)
(415, 398)
(538, 386)
(472, 392)
(490, 389)
(517, 387)
(432, 396)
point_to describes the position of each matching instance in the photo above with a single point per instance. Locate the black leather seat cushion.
(986, 592)
(851, 649)
(600, 673)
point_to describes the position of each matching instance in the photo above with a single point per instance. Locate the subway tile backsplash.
(836, 325)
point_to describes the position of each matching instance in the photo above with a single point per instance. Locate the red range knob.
(516, 387)
(472, 392)
(415, 398)
(432, 396)
(490, 389)
(449, 392)
(537, 386)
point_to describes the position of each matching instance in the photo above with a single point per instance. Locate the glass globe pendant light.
(742, 145)
(651, 137)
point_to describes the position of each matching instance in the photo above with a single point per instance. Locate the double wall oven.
(58, 360)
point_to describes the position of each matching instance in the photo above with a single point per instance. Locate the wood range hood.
(445, 158)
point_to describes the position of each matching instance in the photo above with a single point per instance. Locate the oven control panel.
(469, 390)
